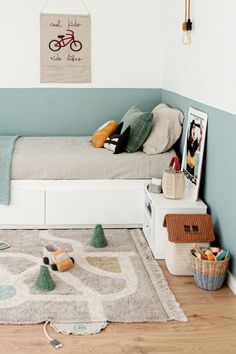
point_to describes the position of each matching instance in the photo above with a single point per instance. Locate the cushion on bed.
(139, 132)
(102, 133)
(129, 117)
(117, 142)
(166, 129)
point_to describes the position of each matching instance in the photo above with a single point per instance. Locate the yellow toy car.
(58, 258)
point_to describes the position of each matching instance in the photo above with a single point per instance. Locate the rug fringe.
(164, 293)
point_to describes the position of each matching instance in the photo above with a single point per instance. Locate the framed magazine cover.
(194, 150)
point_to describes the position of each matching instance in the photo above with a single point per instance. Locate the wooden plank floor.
(211, 329)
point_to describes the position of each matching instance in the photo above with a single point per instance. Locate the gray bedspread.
(67, 158)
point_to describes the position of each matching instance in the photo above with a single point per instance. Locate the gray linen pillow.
(166, 129)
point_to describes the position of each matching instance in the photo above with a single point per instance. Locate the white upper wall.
(127, 50)
(205, 70)
(126, 43)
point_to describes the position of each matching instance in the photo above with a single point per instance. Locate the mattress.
(67, 158)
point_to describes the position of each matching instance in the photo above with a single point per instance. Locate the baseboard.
(231, 282)
(67, 226)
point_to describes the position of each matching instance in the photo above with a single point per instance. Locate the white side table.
(156, 206)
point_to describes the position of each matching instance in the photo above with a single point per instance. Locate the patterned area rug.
(119, 283)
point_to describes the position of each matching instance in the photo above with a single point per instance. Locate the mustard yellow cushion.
(100, 135)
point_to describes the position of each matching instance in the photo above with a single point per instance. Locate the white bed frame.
(74, 203)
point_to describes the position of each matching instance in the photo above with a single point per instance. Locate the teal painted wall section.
(218, 185)
(58, 111)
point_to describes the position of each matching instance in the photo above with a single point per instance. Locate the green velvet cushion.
(139, 132)
(140, 123)
(130, 116)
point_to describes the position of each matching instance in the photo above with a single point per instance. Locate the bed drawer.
(26, 208)
(92, 206)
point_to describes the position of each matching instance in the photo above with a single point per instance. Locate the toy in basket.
(173, 182)
(209, 267)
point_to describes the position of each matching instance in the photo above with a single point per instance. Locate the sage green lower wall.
(69, 111)
(218, 185)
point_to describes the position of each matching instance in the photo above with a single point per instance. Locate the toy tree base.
(98, 240)
(44, 280)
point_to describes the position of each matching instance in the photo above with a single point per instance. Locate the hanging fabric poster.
(65, 44)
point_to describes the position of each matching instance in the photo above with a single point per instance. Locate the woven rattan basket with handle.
(173, 182)
(209, 275)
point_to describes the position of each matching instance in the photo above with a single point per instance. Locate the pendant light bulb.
(187, 26)
(187, 37)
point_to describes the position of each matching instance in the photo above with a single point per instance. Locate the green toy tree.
(98, 240)
(44, 281)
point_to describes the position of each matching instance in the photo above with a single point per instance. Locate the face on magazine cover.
(193, 144)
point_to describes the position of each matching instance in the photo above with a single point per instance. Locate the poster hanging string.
(82, 1)
(44, 6)
(85, 6)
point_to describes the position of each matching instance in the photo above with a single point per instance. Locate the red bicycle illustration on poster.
(64, 40)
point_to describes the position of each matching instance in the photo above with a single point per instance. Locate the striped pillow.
(117, 142)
